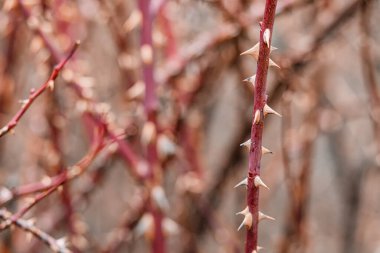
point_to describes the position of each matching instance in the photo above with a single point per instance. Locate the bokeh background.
(324, 171)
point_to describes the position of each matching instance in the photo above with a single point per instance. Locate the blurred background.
(158, 83)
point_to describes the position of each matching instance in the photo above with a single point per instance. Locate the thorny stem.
(27, 225)
(257, 128)
(150, 106)
(34, 95)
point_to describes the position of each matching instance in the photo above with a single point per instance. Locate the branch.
(126, 152)
(28, 226)
(53, 185)
(261, 53)
(149, 132)
(35, 94)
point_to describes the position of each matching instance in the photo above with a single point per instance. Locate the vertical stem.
(257, 128)
(150, 106)
(150, 100)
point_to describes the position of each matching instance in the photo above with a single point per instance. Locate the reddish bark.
(257, 129)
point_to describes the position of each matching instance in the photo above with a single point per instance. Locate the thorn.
(31, 222)
(23, 102)
(244, 212)
(160, 198)
(266, 37)
(146, 54)
(246, 144)
(137, 90)
(133, 21)
(62, 243)
(256, 119)
(243, 182)
(258, 182)
(263, 216)
(254, 251)
(247, 221)
(254, 51)
(170, 227)
(5, 195)
(251, 79)
(148, 133)
(264, 151)
(272, 63)
(46, 181)
(145, 225)
(259, 248)
(165, 146)
(269, 110)
(50, 85)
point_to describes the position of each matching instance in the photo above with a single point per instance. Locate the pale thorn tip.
(254, 51)
(254, 251)
(263, 216)
(243, 212)
(269, 110)
(247, 143)
(242, 182)
(170, 227)
(264, 151)
(272, 63)
(266, 37)
(256, 119)
(247, 221)
(258, 182)
(50, 85)
(259, 248)
(159, 197)
(251, 79)
(144, 225)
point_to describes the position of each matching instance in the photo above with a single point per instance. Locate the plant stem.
(257, 128)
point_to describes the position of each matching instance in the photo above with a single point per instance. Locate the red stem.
(33, 96)
(150, 106)
(257, 129)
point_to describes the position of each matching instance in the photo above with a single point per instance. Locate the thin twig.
(34, 95)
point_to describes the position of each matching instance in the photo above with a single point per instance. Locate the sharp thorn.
(269, 110)
(247, 144)
(266, 37)
(243, 182)
(247, 221)
(272, 63)
(243, 212)
(263, 216)
(264, 151)
(253, 51)
(251, 79)
(258, 182)
(256, 119)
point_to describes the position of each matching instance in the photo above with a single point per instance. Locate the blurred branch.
(369, 69)
(35, 94)
(28, 226)
(206, 41)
